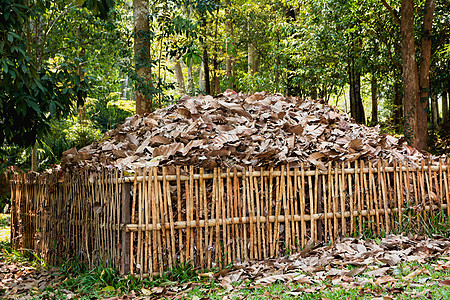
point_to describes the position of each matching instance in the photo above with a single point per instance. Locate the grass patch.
(5, 227)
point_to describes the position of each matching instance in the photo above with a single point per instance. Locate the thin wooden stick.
(203, 206)
(311, 209)
(168, 197)
(285, 207)
(180, 232)
(237, 213)
(271, 204)
(262, 207)
(303, 205)
(157, 219)
(350, 189)
(254, 189)
(191, 212)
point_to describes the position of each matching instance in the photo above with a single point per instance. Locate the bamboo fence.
(160, 217)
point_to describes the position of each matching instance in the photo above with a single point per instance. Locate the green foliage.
(31, 93)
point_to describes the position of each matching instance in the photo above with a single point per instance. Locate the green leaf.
(33, 105)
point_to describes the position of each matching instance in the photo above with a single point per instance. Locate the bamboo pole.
(286, 213)
(251, 209)
(157, 219)
(254, 188)
(350, 189)
(237, 210)
(277, 213)
(302, 205)
(311, 209)
(262, 213)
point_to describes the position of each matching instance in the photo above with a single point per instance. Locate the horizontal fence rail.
(161, 217)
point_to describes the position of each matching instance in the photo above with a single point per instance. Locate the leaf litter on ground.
(373, 268)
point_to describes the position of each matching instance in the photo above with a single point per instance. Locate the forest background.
(72, 70)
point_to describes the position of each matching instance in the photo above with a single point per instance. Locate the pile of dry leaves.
(233, 130)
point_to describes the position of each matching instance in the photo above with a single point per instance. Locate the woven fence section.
(162, 217)
(65, 216)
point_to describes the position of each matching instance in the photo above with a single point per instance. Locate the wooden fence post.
(126, 219)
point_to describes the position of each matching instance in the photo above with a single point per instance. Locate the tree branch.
(393, 12)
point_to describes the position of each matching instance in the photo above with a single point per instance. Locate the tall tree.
(142, 57)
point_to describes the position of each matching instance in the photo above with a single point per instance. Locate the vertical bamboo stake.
(225, 212)
(311, 210)
(285, 207)
(180, 231)
(408, 188)
(368, 194)
(191, 213)
(248, 203)
(198, 207)
(303, 205)
(277, 213)
(139, 256)
(251, 210)
(416, 191)
(325, 207)
(236, 209)
(330, 201)
(230, 229)
(203, 206)
(270, 205)
(290, 200)
(447, 184)
(335, 199)
(168, 197)
(422, 188)
(146, 232)
(187, 188)
(263, 210)
(157, 220)
(429, 182)
(350, 190)
(213, 211)
(390, 199)
(222, 212)
(217, 199)
(358, 197)
(151, 245)
(255, 192)
(401, 183)
(372, 203)
(316, 202)
(163, 221)
(397, 186)
(378, 198)
(133, 221)
(296, 201)
(382, 182)
(441, 197)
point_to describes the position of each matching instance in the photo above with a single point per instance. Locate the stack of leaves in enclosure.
(233, 130)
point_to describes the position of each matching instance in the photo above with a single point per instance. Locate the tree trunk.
(34, 157)
(180, 77)
(190, 83)
(424, 75)
(434, 111)
(229, 47)
(251, 59)
(410, 73)
(374, 88)
(201, 79)
(356, 105)
(142, 56)
(444, 107)
(205, 58)
(398, 105)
